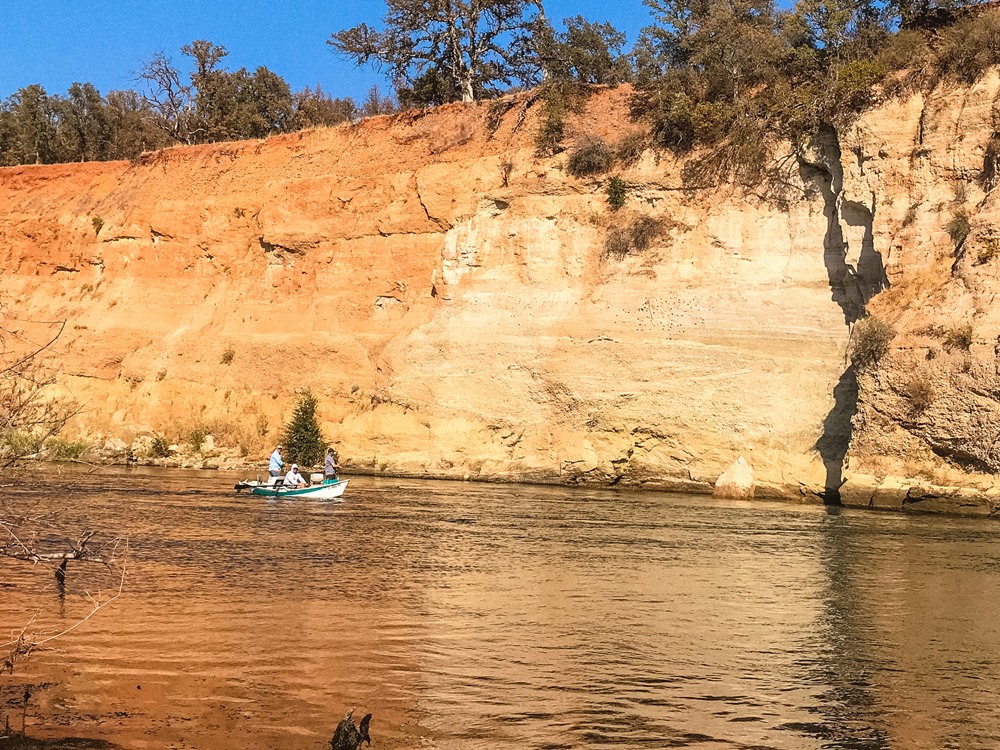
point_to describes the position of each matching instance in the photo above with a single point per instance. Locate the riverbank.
(859, 490)
(478, 311)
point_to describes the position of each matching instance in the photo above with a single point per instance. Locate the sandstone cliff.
(446, 295)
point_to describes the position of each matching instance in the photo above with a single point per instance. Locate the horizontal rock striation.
(460, 308)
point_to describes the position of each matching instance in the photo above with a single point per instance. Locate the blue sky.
(103, 42)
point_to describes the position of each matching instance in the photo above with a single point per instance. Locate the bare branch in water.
(31, 412)
(19, 648)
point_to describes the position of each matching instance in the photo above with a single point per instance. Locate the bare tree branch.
(20, 648)
(30, 414)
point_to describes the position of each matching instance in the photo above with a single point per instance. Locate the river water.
(501, 616)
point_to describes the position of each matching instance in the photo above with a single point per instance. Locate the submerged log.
(348, 736)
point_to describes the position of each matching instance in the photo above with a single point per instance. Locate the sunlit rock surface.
(445, 294)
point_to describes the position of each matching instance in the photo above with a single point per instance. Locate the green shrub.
(910, 216)
(559, 99)
(19, 444)
(98, 223)
(550, 134)
(196, 437)
(674, 122)
(854, 83)
(65, 450)
(159, 448)
(303, 439)
(228, 355)
(595, 157)
(870, 342)
(617, 193)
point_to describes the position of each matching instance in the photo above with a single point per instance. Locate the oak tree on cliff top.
(216, 104)
(587, 52)
(448, 50)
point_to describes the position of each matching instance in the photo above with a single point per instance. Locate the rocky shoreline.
(981, 497)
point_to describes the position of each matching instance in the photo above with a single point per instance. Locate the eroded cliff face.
(928, 413)
(444, 293)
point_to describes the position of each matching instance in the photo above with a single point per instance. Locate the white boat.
(274, 487)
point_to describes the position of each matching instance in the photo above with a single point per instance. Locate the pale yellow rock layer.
(455, 324)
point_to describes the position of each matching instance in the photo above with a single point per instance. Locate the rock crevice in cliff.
(451, 299)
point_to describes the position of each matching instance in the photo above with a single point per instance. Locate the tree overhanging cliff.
(464, 307)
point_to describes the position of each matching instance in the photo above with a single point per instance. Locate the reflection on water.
(487, 616)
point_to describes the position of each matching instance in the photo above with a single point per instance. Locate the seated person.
(294, 479)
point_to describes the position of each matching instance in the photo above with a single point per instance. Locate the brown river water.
(502, 616)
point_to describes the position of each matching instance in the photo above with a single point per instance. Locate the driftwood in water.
(350, 737)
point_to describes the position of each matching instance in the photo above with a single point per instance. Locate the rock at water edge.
(736, 481)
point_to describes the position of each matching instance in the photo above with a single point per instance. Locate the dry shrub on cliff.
(919, 391)
(870, 340)
(742, 154)
(989, 249)
(634, 238)
(593, 157)
(443, 142)
(630, 149)
(970, 47)
(959, 337)
(616, 244)
(991, 164)
(495, 114)
(506, 167)
(644, 230)
(958, 228)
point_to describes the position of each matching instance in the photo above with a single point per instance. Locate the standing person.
(276, 464)
(330, 467)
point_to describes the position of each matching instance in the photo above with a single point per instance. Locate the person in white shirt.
(275, 465)
(294, 479)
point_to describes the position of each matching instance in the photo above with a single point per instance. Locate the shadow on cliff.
(851, 286)
(837, 429)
